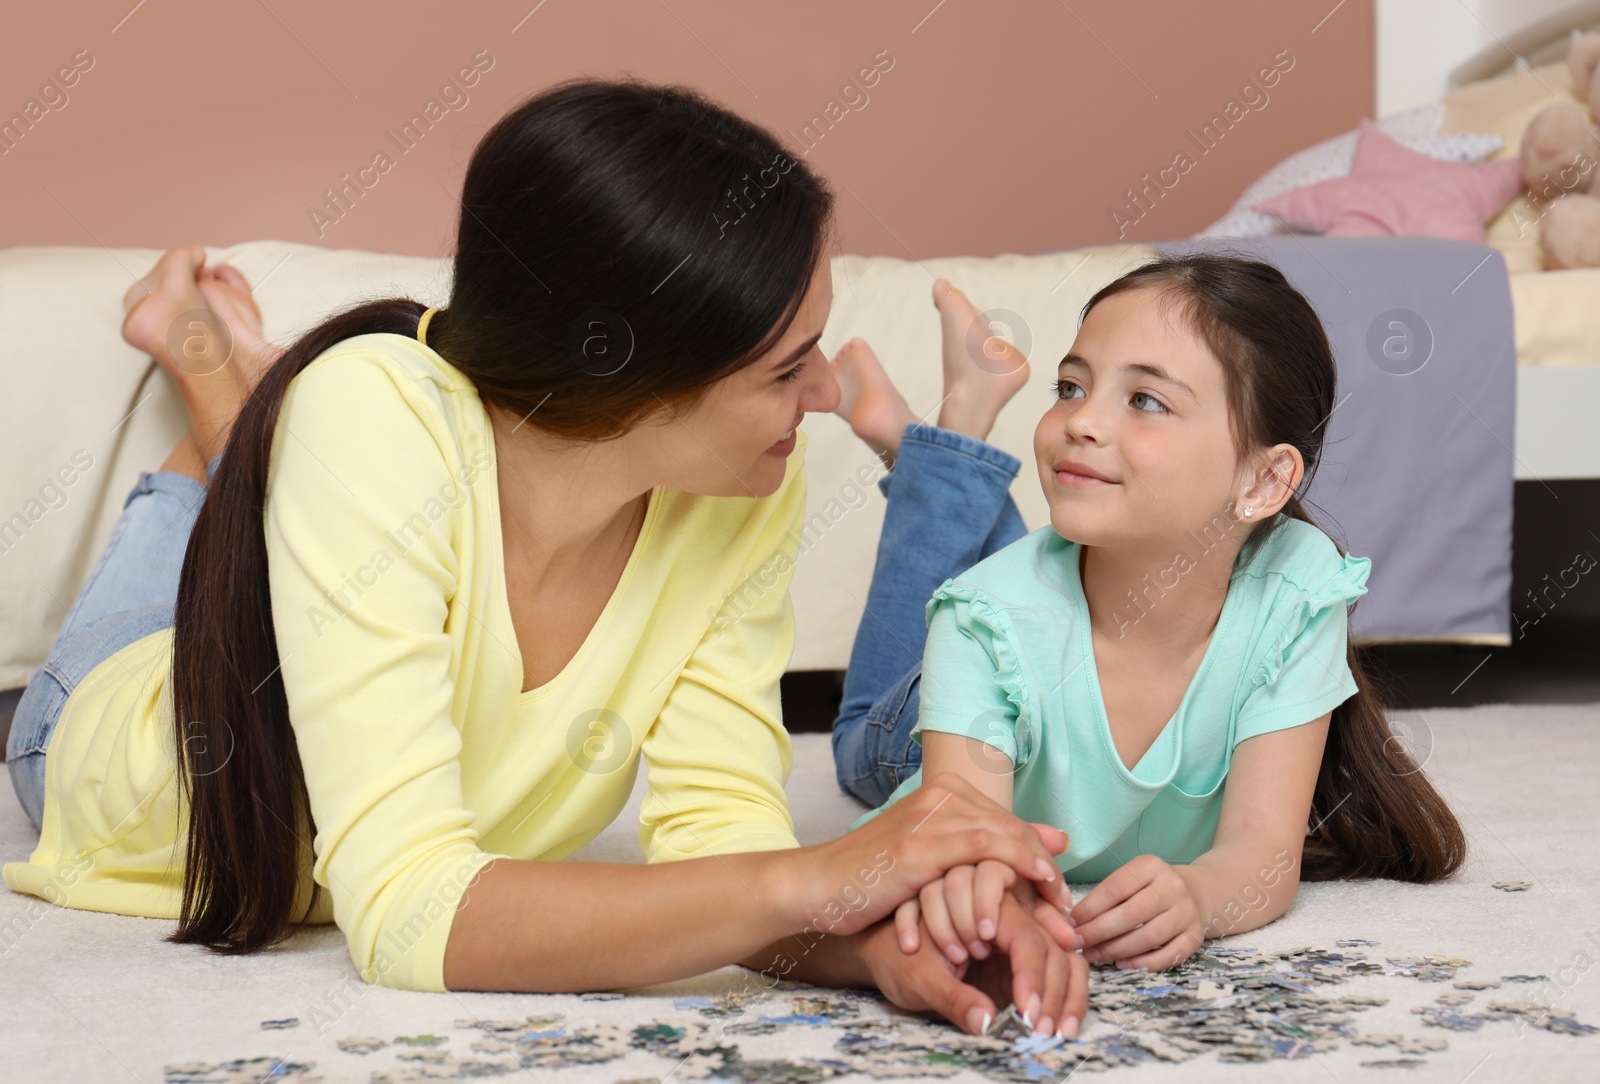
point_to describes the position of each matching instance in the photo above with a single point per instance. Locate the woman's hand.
(1146, 914)
(849, 883)
(1049, 985)
(962, 909)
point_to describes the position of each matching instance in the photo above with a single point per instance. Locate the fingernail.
(986, 930)
(1045, 1027)
(1047, 872)
(1035, 1003)
(1078, 941)
(977, 1021)
(956, 953)
(1069, 1027)
(978, 949)
(987, 1020)
(1026, 1019)
(1092, 955)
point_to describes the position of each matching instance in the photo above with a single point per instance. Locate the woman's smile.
(785, 446)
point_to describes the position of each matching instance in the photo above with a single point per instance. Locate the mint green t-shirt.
(1010, 661)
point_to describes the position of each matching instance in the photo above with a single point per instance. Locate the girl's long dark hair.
(622, 246)
(1374, 813)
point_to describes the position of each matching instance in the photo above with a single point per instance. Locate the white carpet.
(93, 997)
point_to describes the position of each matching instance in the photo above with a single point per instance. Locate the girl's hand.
(962, 909)
(1059, 924)
(1146, 914)
(1049, 985)
(855, 880)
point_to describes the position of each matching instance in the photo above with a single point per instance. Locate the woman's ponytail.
(249, 825)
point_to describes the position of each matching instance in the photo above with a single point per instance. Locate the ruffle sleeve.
(974, 681)
(1347, 583)
(1304, 672)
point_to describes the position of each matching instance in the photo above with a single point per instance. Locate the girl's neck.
(1164, 598)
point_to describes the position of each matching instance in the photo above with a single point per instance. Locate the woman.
(440, 598)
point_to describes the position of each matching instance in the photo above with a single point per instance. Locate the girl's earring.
(1248, 512)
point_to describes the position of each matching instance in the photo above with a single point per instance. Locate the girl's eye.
(792, 374)
(1162, 409)
(1061, 386)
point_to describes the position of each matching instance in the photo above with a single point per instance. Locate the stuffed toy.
(1560, 151)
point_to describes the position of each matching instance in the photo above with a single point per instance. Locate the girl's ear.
(1278, 472)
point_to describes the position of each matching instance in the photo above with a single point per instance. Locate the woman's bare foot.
(166, 292)
(982, 371)
(227, 291)
(204, 329)
(225, 272)
(869, 401)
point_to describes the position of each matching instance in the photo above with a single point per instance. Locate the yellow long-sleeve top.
(423, 758)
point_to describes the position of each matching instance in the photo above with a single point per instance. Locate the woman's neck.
(1165, 598)
(566, 502)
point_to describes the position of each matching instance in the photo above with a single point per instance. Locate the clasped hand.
(1146, 914)
(956, 918)
(1047, 983)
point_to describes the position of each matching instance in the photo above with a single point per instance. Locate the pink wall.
(991, 127)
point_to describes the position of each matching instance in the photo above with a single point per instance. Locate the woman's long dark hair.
(621, 246)
(1374, 813)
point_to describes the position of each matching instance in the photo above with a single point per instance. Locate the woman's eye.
(1061, 387)
(1161, 407)
(792, 374)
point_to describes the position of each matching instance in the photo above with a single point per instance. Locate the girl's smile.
(1079, 475)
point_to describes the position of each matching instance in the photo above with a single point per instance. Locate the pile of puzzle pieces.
(1235, 1004)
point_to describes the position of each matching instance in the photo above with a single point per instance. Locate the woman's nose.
(821, 394)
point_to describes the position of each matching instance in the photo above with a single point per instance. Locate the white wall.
(1419, 41)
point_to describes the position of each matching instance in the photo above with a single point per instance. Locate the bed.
(1499, 89)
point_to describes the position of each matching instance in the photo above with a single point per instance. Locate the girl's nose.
(1082, 422)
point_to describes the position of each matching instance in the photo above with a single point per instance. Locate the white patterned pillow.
(1417, 129)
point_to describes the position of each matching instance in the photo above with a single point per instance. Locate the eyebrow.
(1143, 368)
(800, 351)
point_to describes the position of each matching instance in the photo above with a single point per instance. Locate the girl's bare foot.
(982, 371)
(204, 329)
(869, 401)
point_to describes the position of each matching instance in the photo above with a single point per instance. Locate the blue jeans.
(949, 507)
(129, 595)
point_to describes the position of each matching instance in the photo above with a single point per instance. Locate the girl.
(406, 629)
(1180, 625)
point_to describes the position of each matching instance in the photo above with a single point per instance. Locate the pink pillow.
(1394, 190)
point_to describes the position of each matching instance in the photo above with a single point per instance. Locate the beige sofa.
(83, 412)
